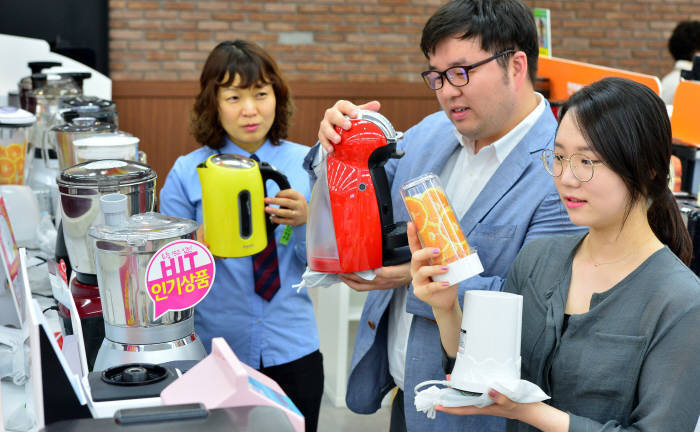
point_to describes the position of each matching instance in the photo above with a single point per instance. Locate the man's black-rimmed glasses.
(458, 76)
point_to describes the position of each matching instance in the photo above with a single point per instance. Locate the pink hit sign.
(179, 276)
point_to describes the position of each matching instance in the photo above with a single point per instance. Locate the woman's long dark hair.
(627, 126)
(253, 65)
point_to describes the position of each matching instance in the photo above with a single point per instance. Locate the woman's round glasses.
(581, 166)
(458, 76)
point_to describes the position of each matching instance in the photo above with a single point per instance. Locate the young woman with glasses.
(611, 316)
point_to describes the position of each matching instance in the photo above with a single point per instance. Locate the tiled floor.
(332, 419)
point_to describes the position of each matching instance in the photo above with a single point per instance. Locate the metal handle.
(160, 414)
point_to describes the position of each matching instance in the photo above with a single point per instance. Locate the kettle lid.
(84, 124)
(105, 115)
(143, 227)
(16, 117)
(91, 174)
(87, 101)
(233, 161)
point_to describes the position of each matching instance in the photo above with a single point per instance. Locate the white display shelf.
(338, 310)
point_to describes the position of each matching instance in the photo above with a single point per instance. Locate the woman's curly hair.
(253, 65)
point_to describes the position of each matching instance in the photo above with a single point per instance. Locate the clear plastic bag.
(321, 246)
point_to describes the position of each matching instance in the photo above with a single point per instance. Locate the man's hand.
(387, 278)
(293, 208)
(335, 116)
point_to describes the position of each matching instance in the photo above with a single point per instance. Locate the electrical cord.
(50, 308)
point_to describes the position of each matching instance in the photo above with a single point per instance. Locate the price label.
(179, 276)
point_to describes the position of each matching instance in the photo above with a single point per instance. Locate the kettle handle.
(268, 172)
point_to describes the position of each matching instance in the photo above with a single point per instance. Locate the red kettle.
(351, 225)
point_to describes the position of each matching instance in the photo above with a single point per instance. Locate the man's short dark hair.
(685, 40)
(498, 24)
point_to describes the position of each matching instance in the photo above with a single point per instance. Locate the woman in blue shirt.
(244, 108)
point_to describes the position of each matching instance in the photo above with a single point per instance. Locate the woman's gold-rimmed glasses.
(581, 166)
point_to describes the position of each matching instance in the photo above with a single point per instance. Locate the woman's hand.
(293, 208)
(540, 415)
(501, 407)
(199, 236)
(335, 116)
(439, 295)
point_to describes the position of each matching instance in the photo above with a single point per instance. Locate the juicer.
(124, 247)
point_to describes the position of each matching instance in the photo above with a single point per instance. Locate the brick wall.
(367, 40)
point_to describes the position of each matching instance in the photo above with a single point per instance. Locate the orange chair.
(685, 126)
(567, 76)
(685, 121)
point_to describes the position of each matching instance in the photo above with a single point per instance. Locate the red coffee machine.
(351, 224)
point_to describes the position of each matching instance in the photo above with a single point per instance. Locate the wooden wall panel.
(158, 112)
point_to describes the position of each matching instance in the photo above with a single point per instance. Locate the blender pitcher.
(15, 128)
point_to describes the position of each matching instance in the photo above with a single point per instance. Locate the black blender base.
(108, 386)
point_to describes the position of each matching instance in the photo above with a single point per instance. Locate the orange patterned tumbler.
(438, 227)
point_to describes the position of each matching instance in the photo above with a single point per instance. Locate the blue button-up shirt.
(274, 332)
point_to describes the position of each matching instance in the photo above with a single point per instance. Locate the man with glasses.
(485, 145)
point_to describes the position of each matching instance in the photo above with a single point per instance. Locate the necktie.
(266, 271)
(266, 266)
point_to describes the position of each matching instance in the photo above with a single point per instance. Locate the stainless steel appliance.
(25, 85)
(47, 94)
(80, 188)
(123, 251)
(78, 128)
(102, 110)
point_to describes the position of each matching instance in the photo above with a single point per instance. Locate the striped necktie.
(266, 266)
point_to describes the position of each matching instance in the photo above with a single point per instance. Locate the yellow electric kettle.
(233, 206)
